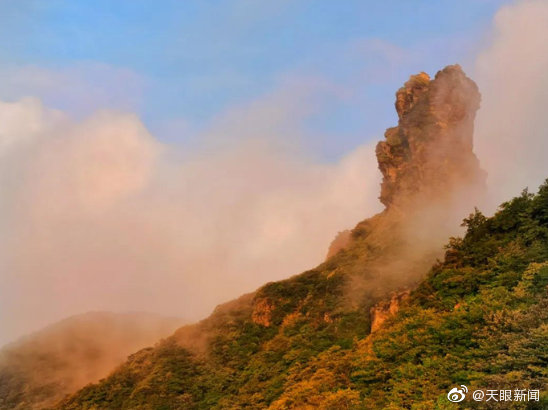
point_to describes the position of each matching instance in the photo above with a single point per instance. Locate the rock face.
(387, 308)
(431, 180)
(431, 176)
(430, 151)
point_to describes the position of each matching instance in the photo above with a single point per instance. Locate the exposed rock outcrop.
(431, 176)
(430, 151)
(385, 309)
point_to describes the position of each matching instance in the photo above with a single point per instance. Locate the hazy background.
(169, 157)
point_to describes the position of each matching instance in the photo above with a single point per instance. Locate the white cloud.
(512, 126)
(98, 215)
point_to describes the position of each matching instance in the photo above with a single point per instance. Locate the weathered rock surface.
(430, 151)
(387, 308)
(431, 179)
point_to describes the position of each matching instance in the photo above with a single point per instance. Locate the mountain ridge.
(246, 352)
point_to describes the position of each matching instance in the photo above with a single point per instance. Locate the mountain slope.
(297, 343)
(480, 318)
(42, 368)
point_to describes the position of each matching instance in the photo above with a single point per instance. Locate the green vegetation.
(478, 318)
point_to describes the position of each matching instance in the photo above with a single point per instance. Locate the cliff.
(431, 175)
(429, 154)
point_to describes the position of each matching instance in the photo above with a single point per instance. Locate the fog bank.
(100, 215)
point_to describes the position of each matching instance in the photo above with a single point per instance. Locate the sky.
(168, 156)
(181, 64)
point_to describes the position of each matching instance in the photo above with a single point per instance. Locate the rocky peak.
(430, 151)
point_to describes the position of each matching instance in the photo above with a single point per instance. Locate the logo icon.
(456, 394)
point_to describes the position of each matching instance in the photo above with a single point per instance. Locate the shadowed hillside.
(41, 368)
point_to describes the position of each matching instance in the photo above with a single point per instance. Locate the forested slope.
(477, 317)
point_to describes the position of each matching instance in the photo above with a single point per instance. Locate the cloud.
(97, 214)
(79, 89)
(512, 73)
(23, 120)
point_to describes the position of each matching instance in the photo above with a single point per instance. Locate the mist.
(99, 214)
(511, 137)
